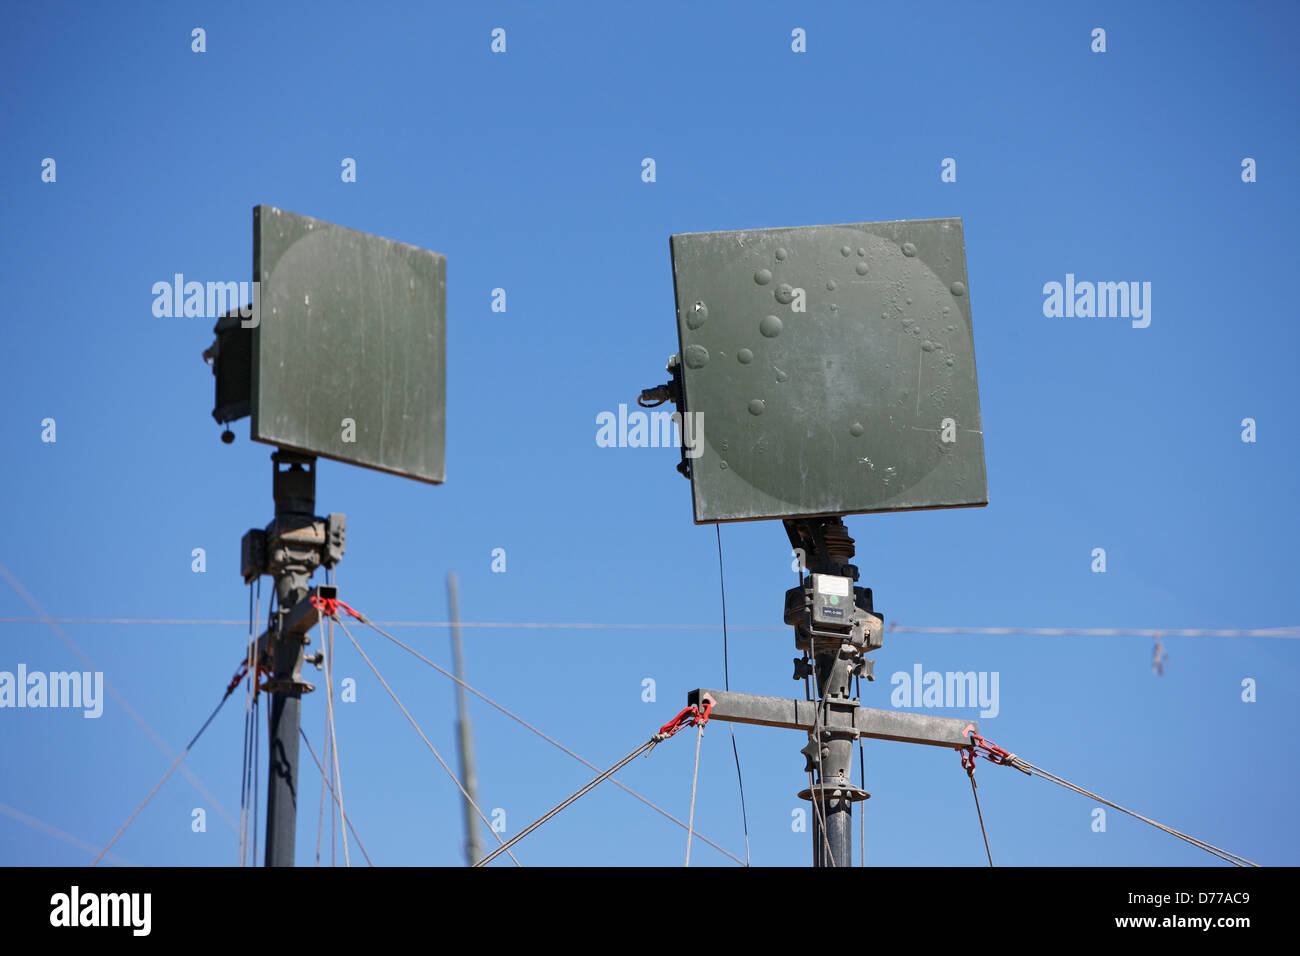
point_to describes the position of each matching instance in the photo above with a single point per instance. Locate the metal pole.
(839, 830)
(473, 848)
(282, 785)
(828, 549)
(293, 560)
(839, 822)
(831, 772)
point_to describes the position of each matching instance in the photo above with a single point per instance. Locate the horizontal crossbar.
(802, 715)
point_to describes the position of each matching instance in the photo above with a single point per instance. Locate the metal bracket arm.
(304, 615)
(802, 715)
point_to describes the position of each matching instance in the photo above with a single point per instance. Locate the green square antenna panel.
(347, 359)
(828, 370)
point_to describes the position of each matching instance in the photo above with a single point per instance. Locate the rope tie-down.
(983, 747)
(691, 716)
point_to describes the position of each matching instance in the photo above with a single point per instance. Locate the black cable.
(726, 683)
(971, 774)
(862, 777)
(243, 769)
(257, 751)
(176, 763)
(255, 771)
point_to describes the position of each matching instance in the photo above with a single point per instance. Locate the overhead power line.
(41, 826)
(1285, 631)
(112, 690)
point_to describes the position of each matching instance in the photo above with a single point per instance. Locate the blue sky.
(524, 169)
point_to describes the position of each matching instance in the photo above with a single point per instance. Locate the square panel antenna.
(345, 355)
(828, 370)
